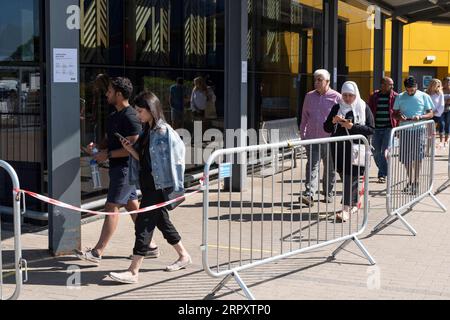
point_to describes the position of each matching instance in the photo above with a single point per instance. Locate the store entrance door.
(423, 75)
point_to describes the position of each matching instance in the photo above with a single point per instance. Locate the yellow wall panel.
(406, 38)
(312, 3)
(367, 36)
(354, 61)
(417, 58)
(425, 35)
(388, 35)
(354, 38)
(366, 60)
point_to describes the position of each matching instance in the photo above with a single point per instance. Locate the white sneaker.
(124, 277)
(342, 216)
(354, 210)
(87, 255)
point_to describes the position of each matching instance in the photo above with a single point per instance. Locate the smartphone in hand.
(118, 135)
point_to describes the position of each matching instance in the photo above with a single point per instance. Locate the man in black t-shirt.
(120, 193)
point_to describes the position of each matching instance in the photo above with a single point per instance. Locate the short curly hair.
(122, 85)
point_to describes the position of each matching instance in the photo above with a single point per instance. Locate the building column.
(330, 39)
(379, 50)
(255, 79)
(317, 49)
(397, 54)
(62, 24)
(302, 88)
(236, 74)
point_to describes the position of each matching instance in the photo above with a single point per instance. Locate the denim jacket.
(167, 152)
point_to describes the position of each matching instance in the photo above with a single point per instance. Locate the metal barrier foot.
(439, 203)
(407, 225)
(394, 218)
(340, 248)
(382, 223)
(244, 288)
(364, 251)
(239, 281)
(444, 186)
(220, 286)
(360, 246)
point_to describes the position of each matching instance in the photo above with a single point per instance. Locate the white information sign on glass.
(244, 71)
(65, 65)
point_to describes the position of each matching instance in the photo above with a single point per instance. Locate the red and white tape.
(74, 208)
(147, 209)
(361, 193)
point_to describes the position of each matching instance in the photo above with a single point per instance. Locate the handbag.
(169, 194)
(359, 154)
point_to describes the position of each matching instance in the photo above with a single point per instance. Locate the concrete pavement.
(407, 267)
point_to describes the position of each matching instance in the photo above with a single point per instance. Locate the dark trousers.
(351, 193)
(146, 222)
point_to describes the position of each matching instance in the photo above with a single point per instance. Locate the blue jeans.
(441, 122)
(315, 153)
(380, 143)
(445, 123)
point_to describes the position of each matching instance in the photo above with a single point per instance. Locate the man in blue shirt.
(410, 107)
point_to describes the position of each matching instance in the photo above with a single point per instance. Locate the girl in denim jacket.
(154, 151)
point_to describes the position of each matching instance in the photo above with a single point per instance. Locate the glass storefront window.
(356, 29)
(281, 35)
(19, 31)
(153, 43)
(22, 124)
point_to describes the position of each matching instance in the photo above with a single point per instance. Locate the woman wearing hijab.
(351, 116)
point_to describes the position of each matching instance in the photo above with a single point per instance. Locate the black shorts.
(120, 191)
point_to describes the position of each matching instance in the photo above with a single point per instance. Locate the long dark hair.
(101, 83)
(149, 101)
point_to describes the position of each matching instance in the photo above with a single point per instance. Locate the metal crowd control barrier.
(446, 183)
(266, 221)
(18, 261)
(411, 160)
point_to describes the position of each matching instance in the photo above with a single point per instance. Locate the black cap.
(410, 82)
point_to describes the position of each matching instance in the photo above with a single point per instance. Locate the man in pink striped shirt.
(316, 108)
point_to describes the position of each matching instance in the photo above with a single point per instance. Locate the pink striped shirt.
(316, 109)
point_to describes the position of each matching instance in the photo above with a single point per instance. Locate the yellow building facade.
(426, 48)
(426, 52)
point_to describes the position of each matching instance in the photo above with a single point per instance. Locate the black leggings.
(146, 222)
(350, 192)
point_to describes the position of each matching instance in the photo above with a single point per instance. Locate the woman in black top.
(350, 117)
(150, 113)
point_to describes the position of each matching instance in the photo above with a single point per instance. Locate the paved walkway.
(409, 267)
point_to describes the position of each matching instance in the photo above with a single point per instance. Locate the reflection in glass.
(152, 42)
(19, 30)
(281, 34)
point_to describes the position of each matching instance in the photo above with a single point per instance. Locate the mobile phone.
(118, 135)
